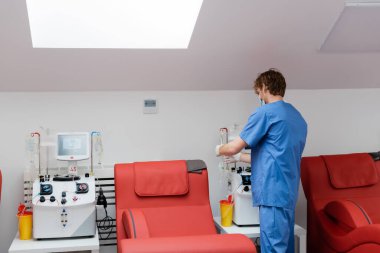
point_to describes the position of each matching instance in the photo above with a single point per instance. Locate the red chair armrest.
(342, 240)
(233, 243)
(348, 214)
(135, 224)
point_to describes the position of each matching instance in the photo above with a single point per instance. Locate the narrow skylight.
(356, 29)
(112, 23)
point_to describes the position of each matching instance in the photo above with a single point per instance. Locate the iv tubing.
(39, 151)
(92, 159)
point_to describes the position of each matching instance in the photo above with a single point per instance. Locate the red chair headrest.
(351, 170)
(161, 178)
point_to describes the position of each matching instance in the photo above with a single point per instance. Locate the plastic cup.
(25, 225)
(226, 211)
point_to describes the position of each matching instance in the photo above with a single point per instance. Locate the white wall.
(186, 127)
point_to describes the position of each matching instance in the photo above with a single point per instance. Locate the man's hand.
(217, 150)
(232, 159)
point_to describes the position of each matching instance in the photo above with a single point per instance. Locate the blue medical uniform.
(276, 132)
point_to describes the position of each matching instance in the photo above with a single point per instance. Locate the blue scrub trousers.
(276, 229)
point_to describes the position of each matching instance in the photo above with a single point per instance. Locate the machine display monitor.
(73, 146)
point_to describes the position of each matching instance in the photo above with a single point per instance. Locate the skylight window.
(112, 23)
(356, 29)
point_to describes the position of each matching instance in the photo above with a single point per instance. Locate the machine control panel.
(64, 218)
(46, 189)
(246, 179)
(63, 193)
(81, 188)
(69, 206)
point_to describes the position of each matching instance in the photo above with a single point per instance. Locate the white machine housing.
(71, 214)
(244, 213)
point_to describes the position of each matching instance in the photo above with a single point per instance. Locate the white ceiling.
(233, 41)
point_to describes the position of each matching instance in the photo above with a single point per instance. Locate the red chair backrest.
(174, 215)
(319, 189)
(317, 184)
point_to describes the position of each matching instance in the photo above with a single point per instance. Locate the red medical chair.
(164, 207)
(343, 203)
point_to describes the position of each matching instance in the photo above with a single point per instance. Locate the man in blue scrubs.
(276, 133)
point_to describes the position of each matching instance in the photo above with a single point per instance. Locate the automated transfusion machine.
(64, 205)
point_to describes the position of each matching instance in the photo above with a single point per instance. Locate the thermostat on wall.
(150, 106)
